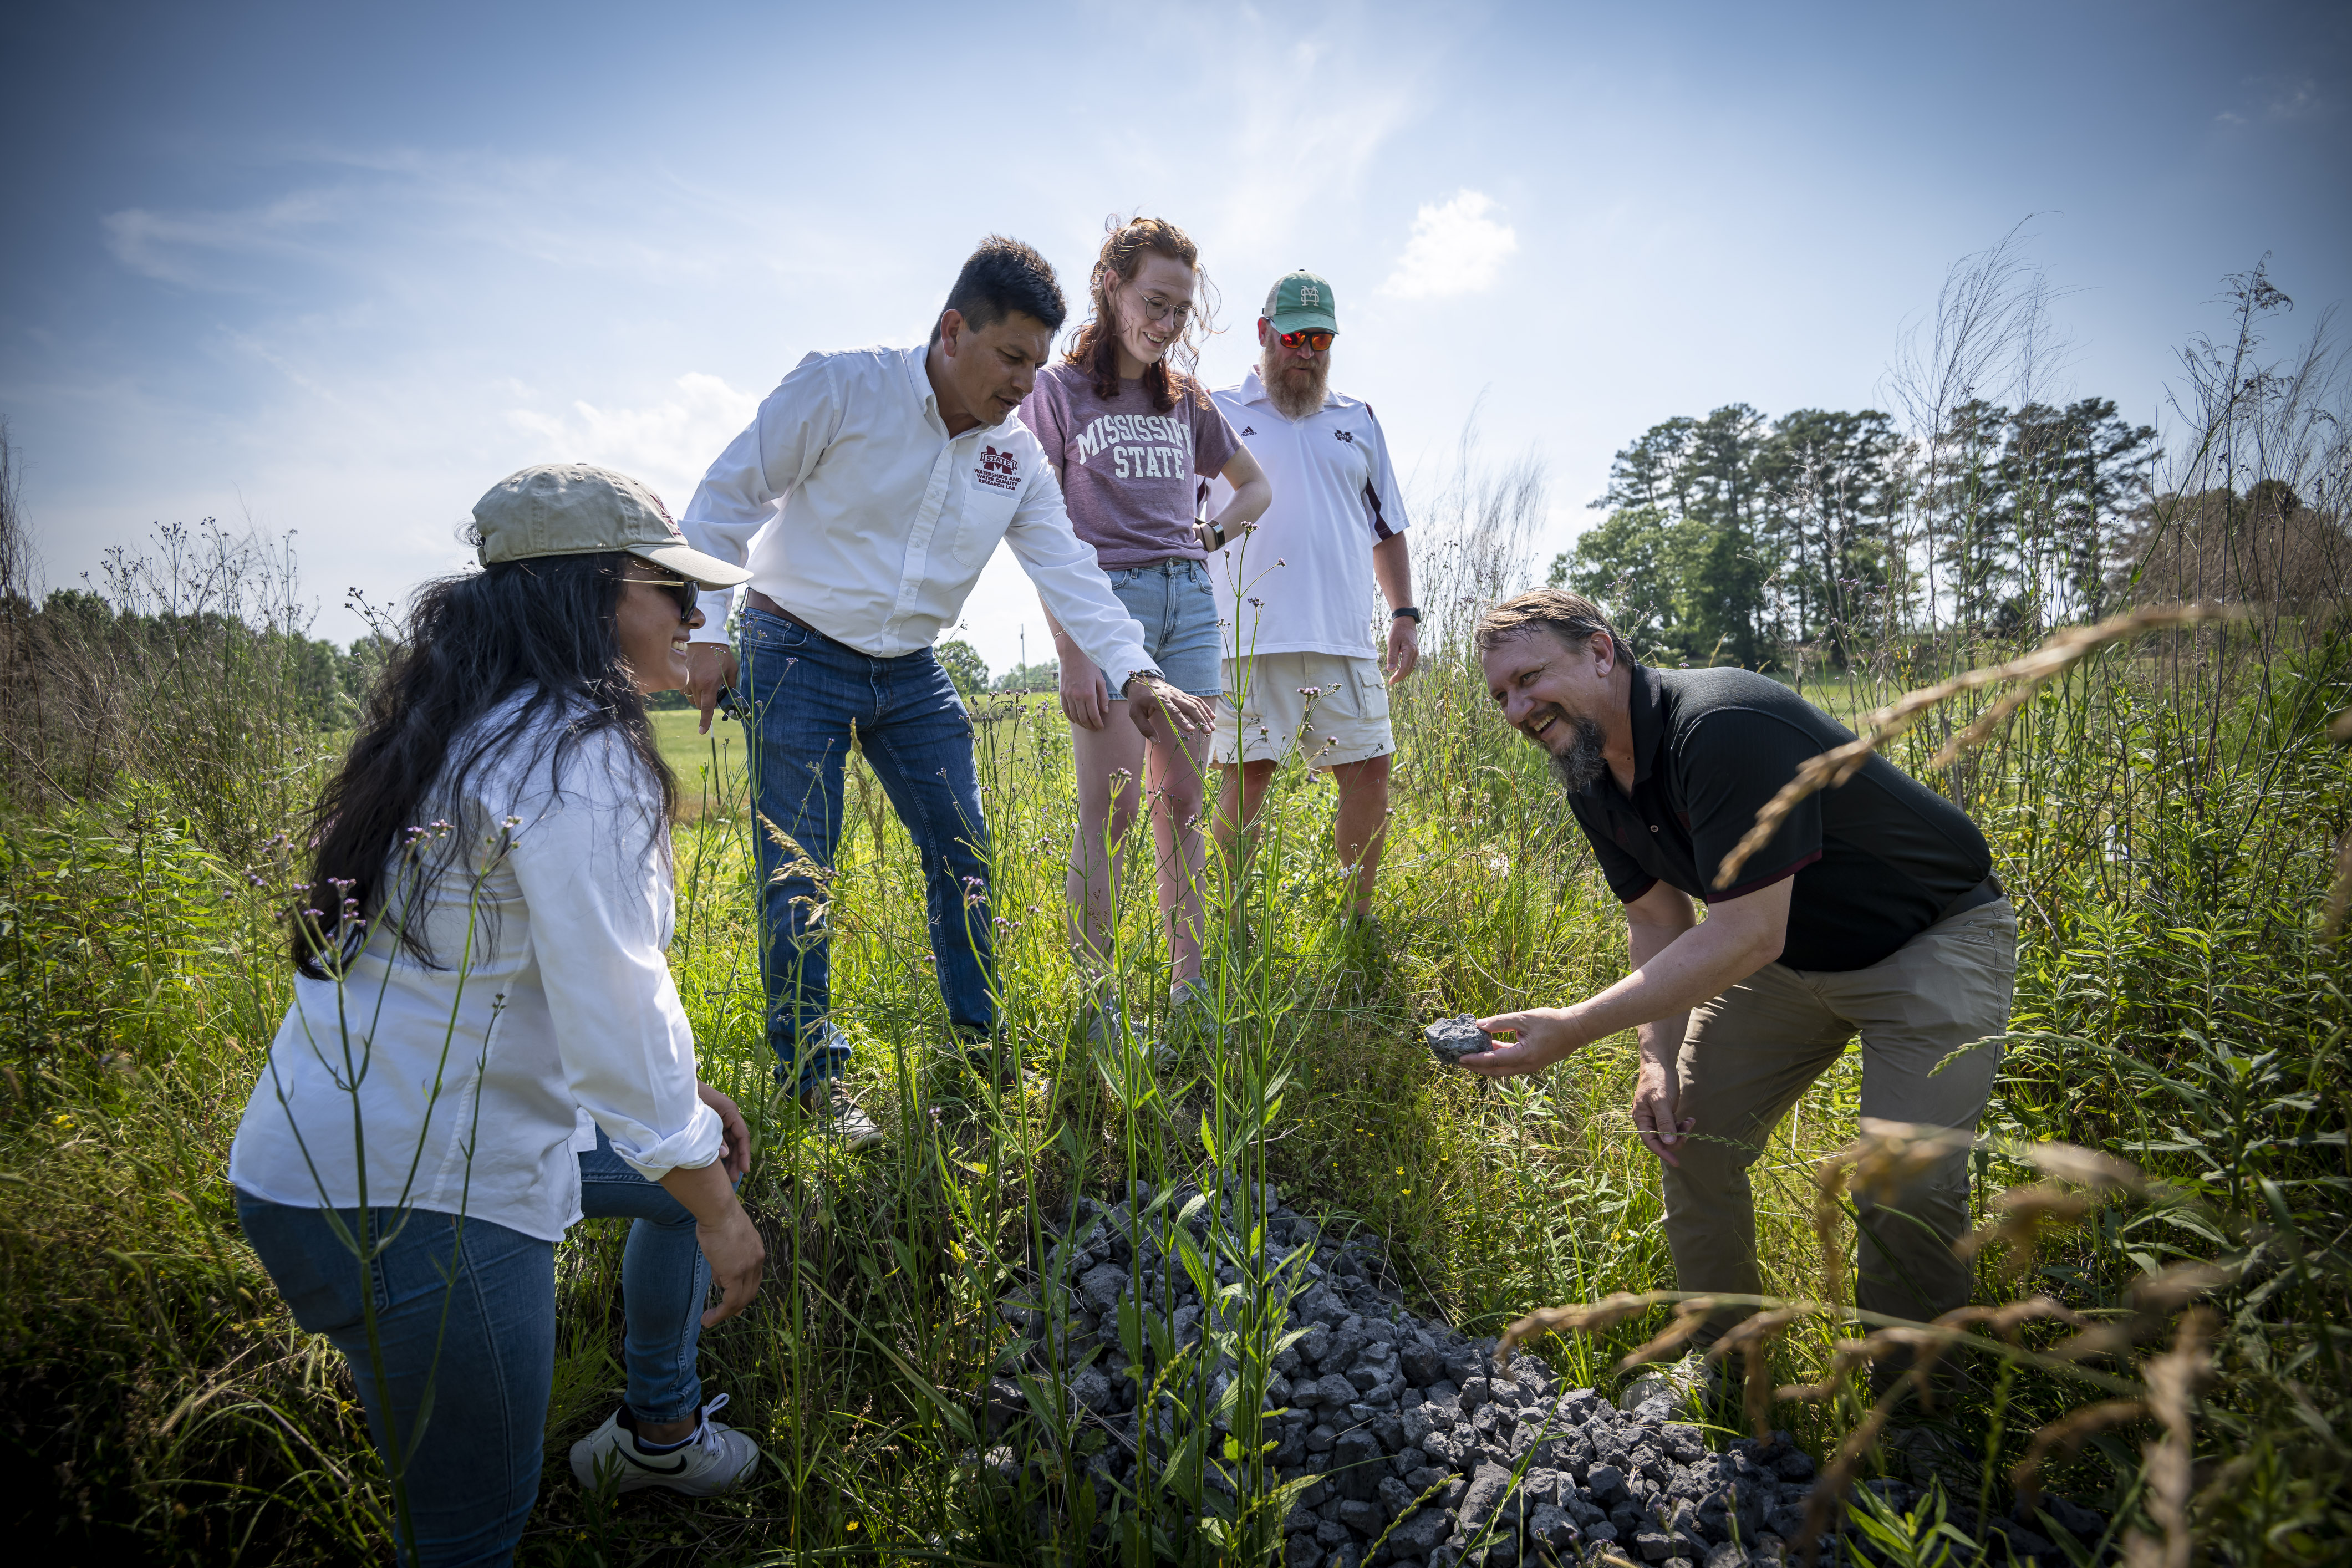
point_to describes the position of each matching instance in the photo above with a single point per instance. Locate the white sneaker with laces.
(714, 1460)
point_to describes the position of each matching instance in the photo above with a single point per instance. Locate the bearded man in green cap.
(1304, 669)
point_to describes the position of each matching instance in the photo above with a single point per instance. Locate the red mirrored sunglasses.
(1317, 341)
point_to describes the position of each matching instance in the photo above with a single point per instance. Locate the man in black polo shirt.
(1874, 910)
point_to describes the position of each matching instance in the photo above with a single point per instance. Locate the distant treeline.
(1738, 537)
(320, 682)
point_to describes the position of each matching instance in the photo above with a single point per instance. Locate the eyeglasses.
(1155, 308)
(688, 594)
(1317, 341)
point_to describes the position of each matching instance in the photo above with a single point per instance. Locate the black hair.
(1005, 276)
(544, 630)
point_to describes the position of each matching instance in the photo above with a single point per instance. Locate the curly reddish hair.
(1094, 348)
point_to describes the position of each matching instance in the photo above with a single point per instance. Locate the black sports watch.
(1409, 610)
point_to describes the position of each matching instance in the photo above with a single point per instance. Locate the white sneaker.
(715, 1459)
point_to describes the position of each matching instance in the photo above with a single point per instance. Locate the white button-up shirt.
(552, 1014)
(857, 511)
(1301, 582)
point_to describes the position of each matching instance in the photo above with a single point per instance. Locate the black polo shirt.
(1877, 860)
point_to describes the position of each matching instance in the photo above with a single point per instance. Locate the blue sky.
(335, 269)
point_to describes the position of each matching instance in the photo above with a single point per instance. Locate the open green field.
(2176, 1009)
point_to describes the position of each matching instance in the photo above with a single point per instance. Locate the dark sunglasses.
(688, 594)
(1319, 341)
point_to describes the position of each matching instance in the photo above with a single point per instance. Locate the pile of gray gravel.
(1414, 1437)
(1420, 1448)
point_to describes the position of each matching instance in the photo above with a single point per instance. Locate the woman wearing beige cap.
(485, 1043)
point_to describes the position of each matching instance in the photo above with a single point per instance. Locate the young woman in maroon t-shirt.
(1134, 438)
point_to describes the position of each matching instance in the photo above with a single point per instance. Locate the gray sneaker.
(837, 1116)
(1105, 1024)
(1192, 1012)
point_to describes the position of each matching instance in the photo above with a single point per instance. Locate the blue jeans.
(806, 693)
(1177, 607)
(486, 1347)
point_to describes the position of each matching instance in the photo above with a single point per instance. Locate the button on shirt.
(1876, 860)
(1309, 563)
(857, 511)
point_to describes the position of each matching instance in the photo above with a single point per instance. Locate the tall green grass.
(2166, 816)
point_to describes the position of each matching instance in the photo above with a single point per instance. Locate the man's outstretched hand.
(1540, 1036)
(1152, 701)
(709, 669)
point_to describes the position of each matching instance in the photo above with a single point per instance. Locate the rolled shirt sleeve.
(592, 870)
(1071, 580)
(744, 489)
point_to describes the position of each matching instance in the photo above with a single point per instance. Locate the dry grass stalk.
(2084, 1167)
(2023, 1212)
(2063, 1436)
(1689, 1318)
(1753, 1336)
(1829, 1223)
(1585, 1317)
(2173, 1381)
(1887, 1157)
(2006, 1319)
(2032, 671)
(1828, 1495)
(1843, 1360)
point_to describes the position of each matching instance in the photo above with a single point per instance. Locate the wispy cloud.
(668, 445)
(1455, 248)
(186, 249)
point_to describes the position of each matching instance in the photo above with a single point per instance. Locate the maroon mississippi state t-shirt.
(1130, 474)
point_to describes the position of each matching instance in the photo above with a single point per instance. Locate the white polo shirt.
(1301, 582)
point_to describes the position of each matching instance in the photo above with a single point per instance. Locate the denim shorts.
(1178, 611)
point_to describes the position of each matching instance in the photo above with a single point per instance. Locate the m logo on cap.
(1309, 295)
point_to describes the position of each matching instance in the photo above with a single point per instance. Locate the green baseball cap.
(1300, 301)
(572, 509)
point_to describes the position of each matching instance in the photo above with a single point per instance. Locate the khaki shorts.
(1332, 707)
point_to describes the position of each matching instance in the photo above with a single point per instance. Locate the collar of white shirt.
(919, 382)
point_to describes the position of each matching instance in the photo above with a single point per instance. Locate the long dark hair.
(544, 630)
(1094, 348)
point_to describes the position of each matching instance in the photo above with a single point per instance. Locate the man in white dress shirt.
(1302, 669)
(865, 498)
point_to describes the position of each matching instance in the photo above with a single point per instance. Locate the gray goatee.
(1577, 767)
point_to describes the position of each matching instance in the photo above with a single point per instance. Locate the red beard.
(1296, 390)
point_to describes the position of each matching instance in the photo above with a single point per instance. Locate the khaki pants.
(1752, 1052)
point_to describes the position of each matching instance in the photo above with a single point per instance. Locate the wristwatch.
(1210, 532)
(1409, 610)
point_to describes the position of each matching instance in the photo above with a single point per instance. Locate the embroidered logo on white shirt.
(1002, 470)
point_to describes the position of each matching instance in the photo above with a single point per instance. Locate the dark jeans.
(486, 1347)
(807, 693)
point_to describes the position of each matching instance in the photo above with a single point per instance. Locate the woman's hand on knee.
(737, 1258)
(730, 1243)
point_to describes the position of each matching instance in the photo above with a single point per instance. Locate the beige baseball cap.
(572, 509)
